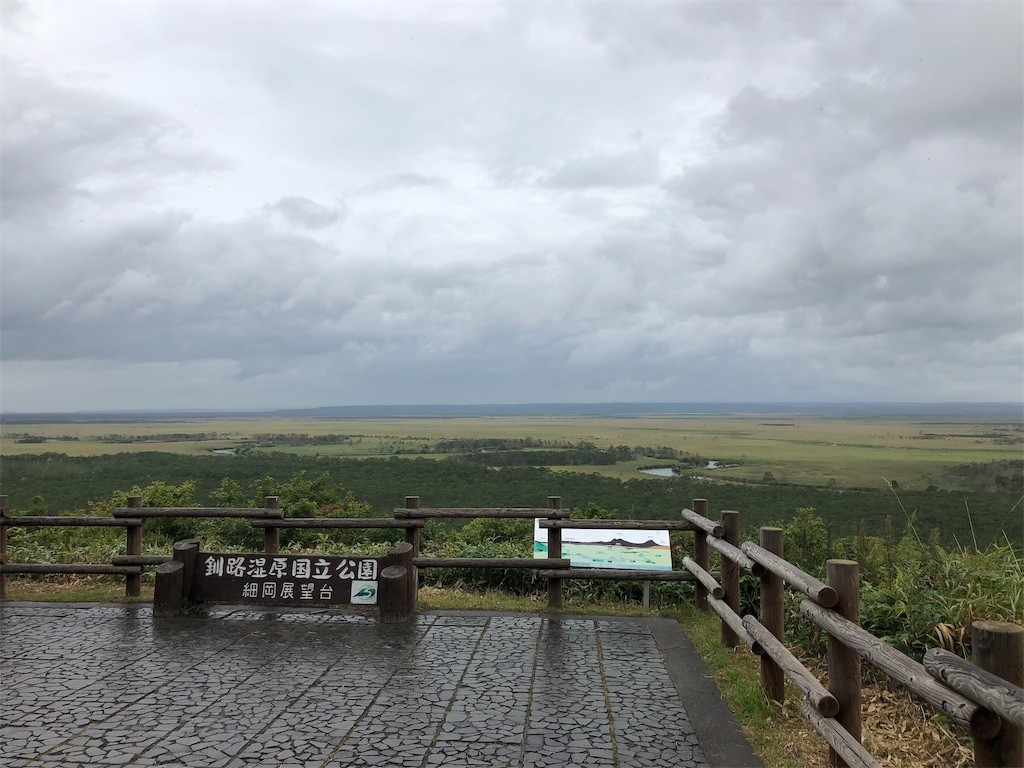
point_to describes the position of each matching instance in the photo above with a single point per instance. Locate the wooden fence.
(985, 698)
(554, 567)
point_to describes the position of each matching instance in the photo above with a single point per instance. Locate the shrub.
(935, 595)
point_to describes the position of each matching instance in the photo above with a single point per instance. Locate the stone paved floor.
(106, 685)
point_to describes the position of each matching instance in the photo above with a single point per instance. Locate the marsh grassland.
(958, 475)
(849, 452)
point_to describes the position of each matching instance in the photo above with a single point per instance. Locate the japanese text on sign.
(286, 579)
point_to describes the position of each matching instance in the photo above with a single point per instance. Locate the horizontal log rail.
(71, 568)
(36, 521)
(466, 513)
(824, 702)
(734, 554)
(735, 623)
(615, 573)
(817, 590)
(624, 525)
(965, 713)
(197, 512)
(702, 523)
(710, 584)
(847, 747)
(140, 559)
(339, 522)
(992, 692)
(129, 570)
(491, 562)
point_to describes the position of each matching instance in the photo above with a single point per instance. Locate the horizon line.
(533, 404)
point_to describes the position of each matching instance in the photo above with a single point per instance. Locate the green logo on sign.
(364, 592)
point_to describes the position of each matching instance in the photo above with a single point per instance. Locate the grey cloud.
(616, 195)
(307, 213)
(65, 143)
(946, 68)
(157, 288)
(637, 31)
(14, 15)
(402, 181)
(637, 167)
(815, 197)
(917, 72)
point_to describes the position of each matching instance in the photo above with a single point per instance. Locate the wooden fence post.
(554, 551)
(773, 680)
(998, 648)
(393, 594)
(272, 536)
(700, 555)
(133, 546)
(731, 575)
(186, 552)
(400, 554)
(168, 590)
(412, 536)
(4, 512)
(844, 663)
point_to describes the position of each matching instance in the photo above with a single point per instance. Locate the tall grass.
(916, 593)
(935, 594)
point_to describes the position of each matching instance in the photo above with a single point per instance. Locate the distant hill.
(1007, 410)
(617, 543)
(959, 411)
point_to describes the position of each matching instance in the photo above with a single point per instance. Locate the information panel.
(295, 580)
(604, 548)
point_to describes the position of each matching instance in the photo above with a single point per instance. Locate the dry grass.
(899, 730)
(903, 732)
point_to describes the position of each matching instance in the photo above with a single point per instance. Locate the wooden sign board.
(293, 580)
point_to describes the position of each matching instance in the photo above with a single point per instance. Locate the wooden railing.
(131, 571)
(984, 699)
(411, 518)
(553, 519)
(133, 518)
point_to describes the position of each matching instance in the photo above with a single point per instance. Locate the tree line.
(57, 482)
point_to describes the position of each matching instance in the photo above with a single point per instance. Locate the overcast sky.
(283, 204)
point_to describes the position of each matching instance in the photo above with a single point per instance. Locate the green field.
(848, 452)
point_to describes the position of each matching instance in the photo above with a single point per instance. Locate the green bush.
(915, 594)
(517, 581)
(935, 595)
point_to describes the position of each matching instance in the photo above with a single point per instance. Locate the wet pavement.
(106, 685)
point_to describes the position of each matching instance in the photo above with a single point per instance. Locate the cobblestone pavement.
(107, 685)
